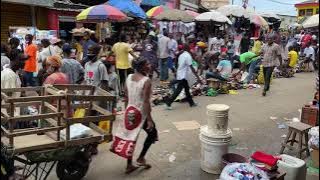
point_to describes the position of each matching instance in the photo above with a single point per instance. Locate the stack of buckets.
(215, 138)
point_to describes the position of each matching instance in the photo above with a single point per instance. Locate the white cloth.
(309, 51)
(163, 47)
(184, 63)
(4, 61)
(9, 79)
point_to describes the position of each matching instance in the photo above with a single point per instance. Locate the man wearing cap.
(57, 45)
(71, 67)
(271, 58)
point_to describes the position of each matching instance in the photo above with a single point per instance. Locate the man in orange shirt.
(30, 64)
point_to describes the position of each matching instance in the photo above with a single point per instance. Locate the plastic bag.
(241, 171)
(314, 137)
(77, 131)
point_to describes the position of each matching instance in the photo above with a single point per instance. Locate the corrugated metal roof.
(44, 3)
(68, 5)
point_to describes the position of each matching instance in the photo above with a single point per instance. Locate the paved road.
(249, 115)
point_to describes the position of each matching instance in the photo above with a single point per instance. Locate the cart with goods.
(67, 128)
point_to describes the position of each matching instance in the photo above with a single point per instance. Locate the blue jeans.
(28, 79)
(164, 72)
(252, 68)
(214, 75)
(171, 64)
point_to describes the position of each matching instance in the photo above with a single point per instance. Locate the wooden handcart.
(40, 148)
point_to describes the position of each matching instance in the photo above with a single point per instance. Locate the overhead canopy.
(44, 3)
(101, 13)
(214, 16)
(233, 10)
(174, 15)
(269, 15)
(312, 21)
(129, 7)
(152, 2)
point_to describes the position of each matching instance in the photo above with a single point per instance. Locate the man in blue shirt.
(86, 44)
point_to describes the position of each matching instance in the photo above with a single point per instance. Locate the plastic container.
(233, 158)
(217, 117)
(213, 147)
(295, 168)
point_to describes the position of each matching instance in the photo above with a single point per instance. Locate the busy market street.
(159, 89)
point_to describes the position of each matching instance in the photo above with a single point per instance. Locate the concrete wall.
(214, 4)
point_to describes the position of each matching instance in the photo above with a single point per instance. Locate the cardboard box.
(315, 158)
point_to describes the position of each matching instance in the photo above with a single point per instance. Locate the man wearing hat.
(57, 45)
(71, 67)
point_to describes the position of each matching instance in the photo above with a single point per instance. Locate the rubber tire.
(81, 164)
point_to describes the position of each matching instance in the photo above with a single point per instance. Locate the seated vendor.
(223, 71)
(209, 61)
(251, 60)
(288, 69)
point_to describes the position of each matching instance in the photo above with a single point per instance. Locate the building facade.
(307, 8)
(287, 20)
(214, 4)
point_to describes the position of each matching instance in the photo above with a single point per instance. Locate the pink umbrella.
(192, 13)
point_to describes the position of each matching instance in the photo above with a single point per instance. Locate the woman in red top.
(53, 69)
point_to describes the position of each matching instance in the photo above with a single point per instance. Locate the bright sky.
(285, 7)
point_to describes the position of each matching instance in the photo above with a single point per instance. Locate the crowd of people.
(127, 67)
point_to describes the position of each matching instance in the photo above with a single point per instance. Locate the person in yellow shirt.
(121, 50)
(257, 45)
(292, 57)
(288, 69)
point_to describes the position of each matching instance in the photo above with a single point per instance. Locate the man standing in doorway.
(184, 68)
(163, 47)
(31, 63)
(271, 58)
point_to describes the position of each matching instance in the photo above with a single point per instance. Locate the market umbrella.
(269, 15)
(233, 10)
(174, 15)
(192, 13)
(156, 10)
(213, 16)
(129, 7)
(101, 13)
(258, 20)
(312, 21)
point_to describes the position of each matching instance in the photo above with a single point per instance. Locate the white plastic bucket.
(212, 150)
(217, 117)
(295, 168)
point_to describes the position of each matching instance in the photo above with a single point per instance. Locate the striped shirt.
(271, 55)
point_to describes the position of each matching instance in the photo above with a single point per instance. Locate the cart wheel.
(74, 169)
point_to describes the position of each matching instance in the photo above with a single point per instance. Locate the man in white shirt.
(47, 51)
(215, 44)
(163, 48)
(184, 68)
(309, 54)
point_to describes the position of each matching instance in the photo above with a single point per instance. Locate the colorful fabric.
(100, 13)
(126, 136)
(264, 158)
(31, 63)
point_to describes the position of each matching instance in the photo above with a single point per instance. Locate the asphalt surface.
(249, 121)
